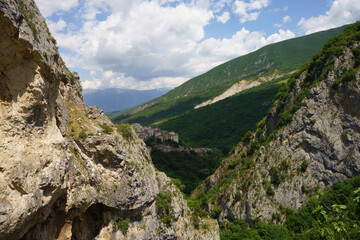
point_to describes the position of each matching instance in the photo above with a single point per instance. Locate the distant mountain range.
(115, 99)
(216, 108)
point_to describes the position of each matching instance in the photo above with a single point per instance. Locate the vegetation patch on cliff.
(334, 214)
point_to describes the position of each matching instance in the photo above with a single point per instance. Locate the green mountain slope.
(309, 141)
(280, 58)
(222, 124)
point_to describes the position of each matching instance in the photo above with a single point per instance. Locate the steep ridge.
(309, 140)
(221, 124)
(268, 63)
(65, 171)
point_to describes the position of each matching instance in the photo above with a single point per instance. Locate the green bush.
(125, 130)
(107, 129)
(234, 163)
(163, 207)
(216, 212)
(82, 135)
(177, 182)
(270, 191)
(167, 220)
(239, 229)
(349, 75)
(336, 83)
(255, 145)
(276, 176)
(304, 166)
(285, 165)
(334, 214)
(356, 53)
(304, 188)
(284, 118)
(247, 137)
(122, 224)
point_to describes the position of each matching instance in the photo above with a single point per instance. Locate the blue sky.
(149, 44)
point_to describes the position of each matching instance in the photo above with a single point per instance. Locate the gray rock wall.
(318, 147)
(65, 171)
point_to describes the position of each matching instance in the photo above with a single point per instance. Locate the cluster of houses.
(148, 132)
(199, 151)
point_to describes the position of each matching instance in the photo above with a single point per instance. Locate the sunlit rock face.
(65, 171)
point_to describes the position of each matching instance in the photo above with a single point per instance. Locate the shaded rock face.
(318, 147)
(65, 171)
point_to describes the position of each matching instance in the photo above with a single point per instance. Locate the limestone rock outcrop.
(66, 172)
(278, 168)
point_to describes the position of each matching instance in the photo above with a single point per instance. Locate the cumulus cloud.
(341, 12)
(48, 8)
(123, 82)
(212, 52)
(143, 44)
(223, 18)
(220, 4)
(57, 26)
(108, 74)
(286, 19)
(92, 84)
(148, 41)
(246, 10)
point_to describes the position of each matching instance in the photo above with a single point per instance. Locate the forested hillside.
(269, 63)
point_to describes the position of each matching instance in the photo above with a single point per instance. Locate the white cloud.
(245, 10)
(341, 12)
(281, 36)
(219, 5)
(108, 74)
(212, 52)
(162, 82)
(148, 41)
(278, 25)
(286, 19)
(93, 84)
(143, 44)
(223, 18)
(130, 83)
(48, 8)
(57, 26)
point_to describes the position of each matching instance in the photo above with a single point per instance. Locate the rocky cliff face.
(310, 139)
(65, 171)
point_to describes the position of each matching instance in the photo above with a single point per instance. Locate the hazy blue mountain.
(115, 99)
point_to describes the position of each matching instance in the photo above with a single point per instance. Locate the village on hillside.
(163, 136)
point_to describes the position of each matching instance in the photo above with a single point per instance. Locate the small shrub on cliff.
(247, 137)
(107, 129)
(270, 191)
(163, 207)
(255, 145)
(349, 75)
(234, 163)
(216, 212)
(304, 166)
(122, 224)
(177, 182)
(276, 176)
(125, 130)
(82, 135)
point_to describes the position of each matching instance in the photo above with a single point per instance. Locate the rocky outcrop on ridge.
(65, 171)
(310, 139)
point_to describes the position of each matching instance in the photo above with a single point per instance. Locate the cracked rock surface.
(66, 172)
